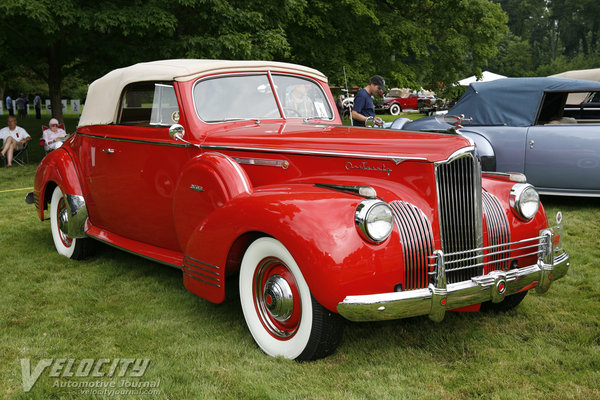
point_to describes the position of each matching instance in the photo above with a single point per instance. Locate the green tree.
(578, 23)
(57, 38)
(410, 42)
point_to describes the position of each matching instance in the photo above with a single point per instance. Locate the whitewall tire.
(395, 109)
(282, 316)
(66, 246)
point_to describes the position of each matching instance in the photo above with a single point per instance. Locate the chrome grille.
(417, 243)
(460, 214)
(498, 233)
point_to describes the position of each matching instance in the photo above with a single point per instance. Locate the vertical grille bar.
(498, 231)
(460, 212)
(417, 243)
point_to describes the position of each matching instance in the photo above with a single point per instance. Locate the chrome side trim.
(396, 159)
(262, 162)
(201, 271)
(185, 272)
(134, 140)
(135, 253)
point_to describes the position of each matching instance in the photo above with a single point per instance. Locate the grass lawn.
(115, 305)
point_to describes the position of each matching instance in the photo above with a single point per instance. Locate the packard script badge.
(365, 167)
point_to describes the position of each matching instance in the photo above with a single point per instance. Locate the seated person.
(298, 104)
(14, 138)
(54, 136)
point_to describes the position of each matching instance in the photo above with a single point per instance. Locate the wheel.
(68, 247)
(395, 109)
(507, 304)
(282, 316)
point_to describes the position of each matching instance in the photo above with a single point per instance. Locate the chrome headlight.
(374, 220)
(524, 200)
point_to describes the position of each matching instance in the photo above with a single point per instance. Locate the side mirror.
(176, 132)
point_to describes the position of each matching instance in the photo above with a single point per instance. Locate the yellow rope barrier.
(15, 190)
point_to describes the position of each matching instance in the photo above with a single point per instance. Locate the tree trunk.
(54, 81)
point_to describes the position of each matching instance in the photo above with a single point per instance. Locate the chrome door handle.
(109, 151)
(531, 142)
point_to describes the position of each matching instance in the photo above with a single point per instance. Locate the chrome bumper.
(553, 264)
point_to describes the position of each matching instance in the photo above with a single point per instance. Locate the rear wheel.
(59, 218)
(507, 304)
(282, 316)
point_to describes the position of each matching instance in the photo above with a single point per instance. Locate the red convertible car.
(240, 173)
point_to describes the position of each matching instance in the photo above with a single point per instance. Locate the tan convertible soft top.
(102, 102)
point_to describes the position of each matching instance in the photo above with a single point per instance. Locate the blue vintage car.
(536, 126)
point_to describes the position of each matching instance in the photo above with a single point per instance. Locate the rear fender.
(316, 225)
(57, 169)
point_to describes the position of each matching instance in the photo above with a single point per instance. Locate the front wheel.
(59, 218)
(395, 109)
(507, 304)
(282, 316)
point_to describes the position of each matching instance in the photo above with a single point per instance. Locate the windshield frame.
(278, 101)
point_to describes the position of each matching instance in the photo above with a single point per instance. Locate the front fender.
(316, 225)
(483, 149)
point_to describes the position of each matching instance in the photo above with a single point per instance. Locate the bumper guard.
(553, 263)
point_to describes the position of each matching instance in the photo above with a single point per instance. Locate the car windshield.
(243, 97)
(302, 98)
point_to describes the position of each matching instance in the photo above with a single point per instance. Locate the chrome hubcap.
(63, 221)
(278, 298)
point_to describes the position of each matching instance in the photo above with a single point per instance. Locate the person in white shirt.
(54, 136)
(14, 138)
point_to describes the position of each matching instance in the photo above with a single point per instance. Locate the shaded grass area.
(116, 305)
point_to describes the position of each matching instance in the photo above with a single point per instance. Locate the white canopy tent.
(486, 76)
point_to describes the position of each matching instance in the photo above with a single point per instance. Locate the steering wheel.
(288, 111)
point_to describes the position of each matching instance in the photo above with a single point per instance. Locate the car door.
(132, 167)
(564, 156)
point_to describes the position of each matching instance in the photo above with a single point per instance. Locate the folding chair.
(20, 157)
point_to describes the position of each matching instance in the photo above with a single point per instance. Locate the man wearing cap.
(54, 136)
(363, 103)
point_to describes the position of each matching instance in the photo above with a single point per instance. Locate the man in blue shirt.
(9, 106)
(363, 103)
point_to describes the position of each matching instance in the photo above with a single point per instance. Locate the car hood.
(426, 123)
(335, 140)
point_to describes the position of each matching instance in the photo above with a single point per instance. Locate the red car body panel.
(198, 206)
